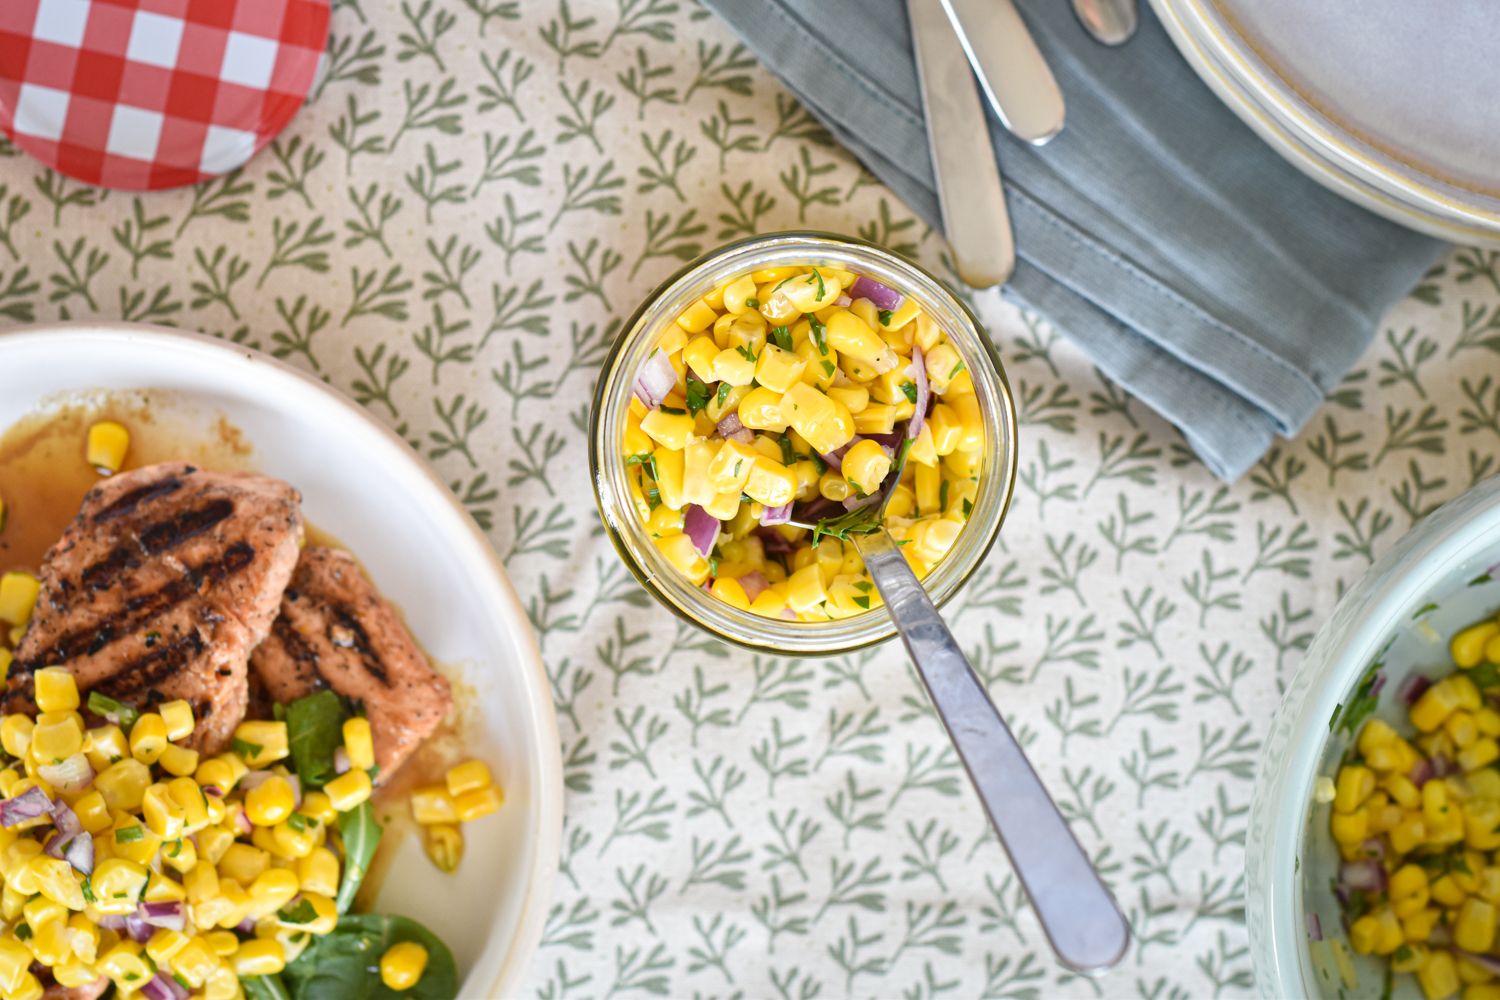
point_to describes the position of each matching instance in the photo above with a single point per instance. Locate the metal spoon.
(1111, 22)
(1080, 918)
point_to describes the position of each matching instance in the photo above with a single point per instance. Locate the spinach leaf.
(345, 965)
(314, 728)
(264, 987)
(361, 835)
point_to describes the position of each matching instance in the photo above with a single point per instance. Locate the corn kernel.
(162, 814)
(178, 761)
(478, 803)
(680, 551)
(1354, 784)
(178, 717)
(1467, 647)
(56, 690)
(1479, 754)
(445, 845)
(195, 962)
(1474, 930)
(271, 890)
(271, 801)
(123, 784)
(18, 593)
(148, 738)
(350, 789)
(117, 884)
(56, 737)
(1438, 977)
(358, 743)
(319, 872)
(107, 444)
(402, 965)
(260, 743)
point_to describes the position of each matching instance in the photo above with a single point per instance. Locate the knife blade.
(1011, 69)
(969, 190)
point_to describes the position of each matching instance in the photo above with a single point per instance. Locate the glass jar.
(612, 402)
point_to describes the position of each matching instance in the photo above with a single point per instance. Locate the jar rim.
(613, 391)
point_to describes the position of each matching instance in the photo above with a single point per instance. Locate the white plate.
(1377, 101)
(363, 484)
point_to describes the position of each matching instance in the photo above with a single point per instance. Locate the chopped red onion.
(251, 780)
(918, 370)
(1314, 927)
(163, 987)
(776, 515)
(1362, 876)
(731, 428)
(111, 922)
(1421, 772)
(1377, 683)
(842, 301)
(242, 822)
(656, 379)
(755, 584)
(1489, 962)
(884, 296)
(341, 762)
(835, 459)
(702, 527)
(1440, 936)
(169, 915)
(1441, 766)
(66, 820)
(1373, 848)
(1413, 688)
(246, 926)
(137, 928)
(30, 804)
(296, 784)
(775, 542)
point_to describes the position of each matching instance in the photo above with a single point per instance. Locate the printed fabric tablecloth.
(453, 231)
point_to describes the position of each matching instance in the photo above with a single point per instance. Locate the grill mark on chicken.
(101, 575)
(357, 640)
(184, 525)
(128, 502)
(141, 610)
(154, 668)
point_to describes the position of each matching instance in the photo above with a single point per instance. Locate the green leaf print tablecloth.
(452, 232)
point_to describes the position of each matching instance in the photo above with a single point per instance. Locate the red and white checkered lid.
(154, 93)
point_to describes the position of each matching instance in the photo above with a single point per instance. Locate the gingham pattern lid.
(154, 93)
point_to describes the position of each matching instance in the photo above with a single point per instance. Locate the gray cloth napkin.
(1193, 265)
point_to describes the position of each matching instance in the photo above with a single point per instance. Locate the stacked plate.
(1389, 103)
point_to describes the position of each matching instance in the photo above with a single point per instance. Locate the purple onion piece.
(246, 926)
(65, 819)
(1413, 688)
(1441, 766)
(776, 515)
(253, 780)
(755, 584)
(341, 762)
(296, 784)
(702, 527)
(1362, 876)
(1314, 927)
(1421, 772)
(860, 503)
(163, 987)
(1373, 848)
(137, 928)
(30, 804)
(835, 459)
(656, 379)
(1489, 962)
(112, 922)
(884, 296)
(1377, 683)
(730, 427)
(842, 301)
(169, 915)
(774, 542)
(789, 614)
(80, 854)
(918, 372)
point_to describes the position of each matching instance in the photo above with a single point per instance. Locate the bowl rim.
(491, 582)
(1005, 406)
(1360, 626)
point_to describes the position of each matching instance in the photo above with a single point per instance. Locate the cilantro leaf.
(782, 336)
(910, 391)
(697, 394)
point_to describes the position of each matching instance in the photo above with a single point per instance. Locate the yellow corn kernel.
(433, 804)
(222, 943)
(15, 734)
(164, 944)
(319, 872)
(698, 317)
(270, 802)
(943, 366)
(92, 812)
(1467, 647)
(854, 397)
(1466, 691)
(243, 863)
(1350, 828)
(402, 965)
(1474, 930)
(273, 889)
(56, 737)
(162, 889)
(865, 466)
(350, 789)
(1434, 706)
(932, 538)
(1418, 926)
(1479, 754)
(1472, 972)
(178, 717)
(148, 738)
(55, 879)
(1353, 785)
(761, 410)
(6, 656)
(729, 590)
(670, 430)
(107, 444)
(105, 745)
(737, 292)
(1481, 820)
(634, 441)
(259, 743)
(359, 744)
(1364, 934)
(18, 592)
(1460, 728)
(117, 885)
(731, 466)
(1408, 959)
(667, 464)
(1478, 991)
(833, 486)
(928, 484)
(1384, 759)
(162, 814)
(444, 844)
(1446, 891)
(1434, 800)
(804, 589)
(15, 960)
(680, 551)
(1438, 976)
(478, 803)
(853, 337)
(56, 690)
(1375, 733)
(770, 483)
(825, 423)
(201, 883)
(178, 761)
(227, 909)
(699, 355)
(877, 418)
(195, 962)
(777, 369)
(947, 429)
(123, 784)
(50, 943)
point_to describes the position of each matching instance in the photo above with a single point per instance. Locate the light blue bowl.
(1400, 616)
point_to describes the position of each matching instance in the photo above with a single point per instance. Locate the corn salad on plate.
(192, 793)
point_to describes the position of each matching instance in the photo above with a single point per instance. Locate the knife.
(1012, 70)
(963, 159)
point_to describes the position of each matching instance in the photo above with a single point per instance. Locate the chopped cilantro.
(1348, 718)
(244, 749)
(863, 586)
(884, 316)
(129, 834)
(909, 389)
(737, 465)
(752, 303)
(858, 489)
(176, 849)
(819, 338)
(782, 336)
(88, 891)
(644, 458)
(182, 982)
(117, 712)
(968, 508)
(902, 541)
(747, 352)
(298, 822)
(23, 932)
(302, 913)
(1486, 675)
(818, 461)
(863, 601)
(943, 495)
(1402, 954)
(713, 562)
(697, 394)
(822, 289)
(828, 368)
(676, 411)
(956, 369)
(788, 456)
(723, 393)
(780, 283)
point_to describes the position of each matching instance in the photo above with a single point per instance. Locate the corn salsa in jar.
(790, 393)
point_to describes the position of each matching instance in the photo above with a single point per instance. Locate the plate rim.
(549, 793)
(1316, 144)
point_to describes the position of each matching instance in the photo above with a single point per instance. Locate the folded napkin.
(1193, 265)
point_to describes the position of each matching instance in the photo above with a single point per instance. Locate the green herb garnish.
(642, 459)
(788, 456)
(909, 389)
(884, 316)
(747, 352)
(828, 368)
(782, 336)
(302, 913)
(863, 601)
(956, 369)
(129, 834)
(968, 508)
(752, 303)
(676, 411)
(244, 749)
(819, 337)
(117, 712)
(723, 393)
(822, 289)
(697, 394)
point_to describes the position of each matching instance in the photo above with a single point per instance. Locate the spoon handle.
(1073, 905)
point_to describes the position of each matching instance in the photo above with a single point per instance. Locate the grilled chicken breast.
(159, 589)
(335, 631)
